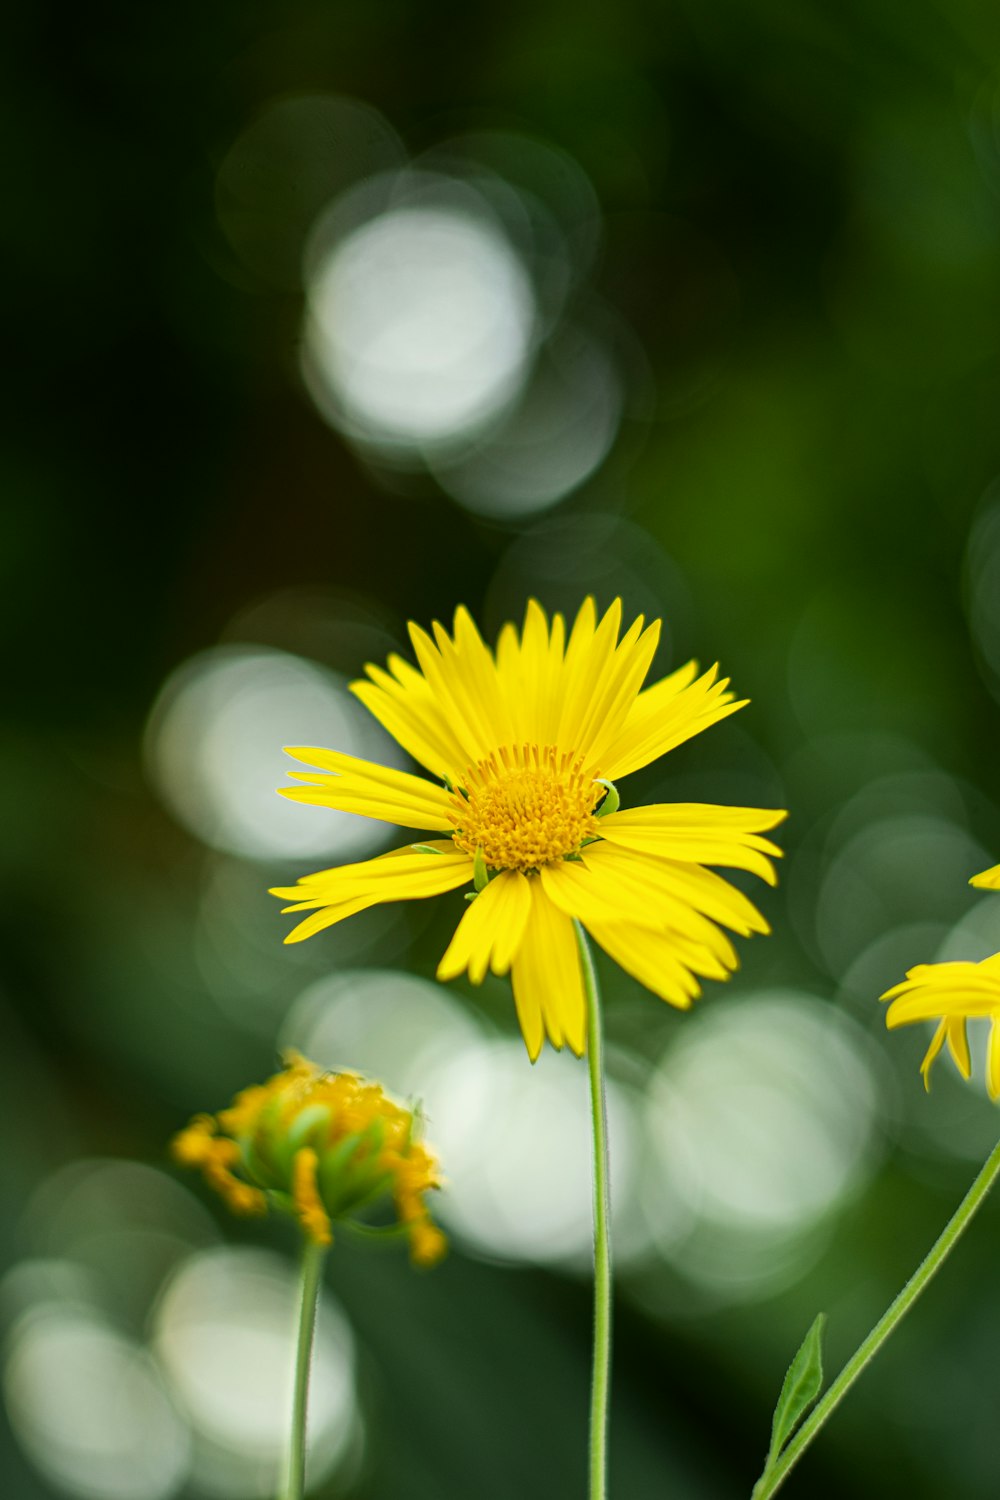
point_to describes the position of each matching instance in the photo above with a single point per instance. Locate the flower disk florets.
(524, 807)
(320, 1145)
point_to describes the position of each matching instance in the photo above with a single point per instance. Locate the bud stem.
(312, 1275)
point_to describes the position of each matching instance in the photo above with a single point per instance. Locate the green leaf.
(802, 1385)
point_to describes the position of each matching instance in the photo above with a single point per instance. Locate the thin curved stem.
(312, 1271)
(771, 1480)
(601, 1376)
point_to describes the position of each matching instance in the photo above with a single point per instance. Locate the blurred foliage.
(802, 232)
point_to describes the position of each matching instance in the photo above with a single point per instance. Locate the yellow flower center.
(525, 806)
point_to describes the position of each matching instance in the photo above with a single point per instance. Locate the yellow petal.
(530, 673)
(589, 654)
(623, 885)
(676, 880)
(989, 880)
(583, 889)
(528, 1004)
(401, 875)
(937, 1042)
(614, 693)
(403, 703)
(489, 934)
(547, 978)
(438, 857)
(475, 673)
(931, 991)
(462, 676)
(703, 890)
(699, 833)
(651, 958)
(360, 786)
(665, 715)
(993, 1060)
(958, 1044)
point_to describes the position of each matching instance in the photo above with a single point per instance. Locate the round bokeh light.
(213, 748)
(421, 316)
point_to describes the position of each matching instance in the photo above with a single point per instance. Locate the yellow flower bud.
(321, 1146)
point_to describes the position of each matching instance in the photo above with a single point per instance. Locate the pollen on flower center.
(525, 806)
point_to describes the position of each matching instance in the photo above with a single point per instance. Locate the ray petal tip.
(418, 635)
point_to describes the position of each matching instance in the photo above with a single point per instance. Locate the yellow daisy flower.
(320, 1145)
(526, 745)
(951, 994)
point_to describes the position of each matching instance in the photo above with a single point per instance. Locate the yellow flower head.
(321, 1145)
(525, 744)
(953, 994)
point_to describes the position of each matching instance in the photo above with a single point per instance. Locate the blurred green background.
(328, 317)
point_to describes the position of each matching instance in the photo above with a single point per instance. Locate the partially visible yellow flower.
(952, 994)
(321, 1145)
(525, 745)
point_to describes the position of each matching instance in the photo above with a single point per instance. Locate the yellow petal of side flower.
(989, 880)
(952, 994)
(521, 745)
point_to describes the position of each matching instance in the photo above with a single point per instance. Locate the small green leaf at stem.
(802, 1385)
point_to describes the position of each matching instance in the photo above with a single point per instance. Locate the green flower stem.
(601, 1376)
(771, 1481)
(312, 1273)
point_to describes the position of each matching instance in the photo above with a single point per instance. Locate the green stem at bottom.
(312, 1273)
(601, 1376)
(772, 1479)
